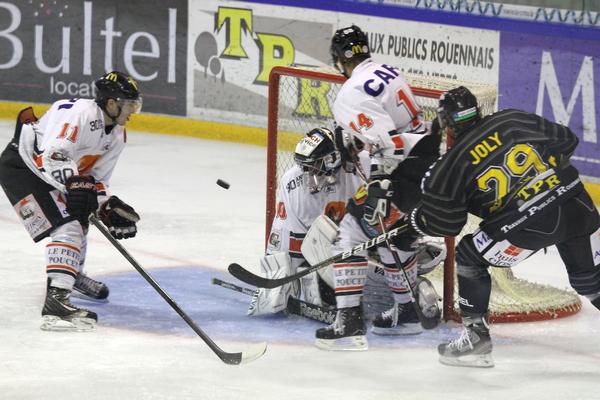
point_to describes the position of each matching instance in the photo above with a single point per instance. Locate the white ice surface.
(189, 221)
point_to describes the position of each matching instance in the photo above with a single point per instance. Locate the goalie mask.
(349, 44)
(318, 157)
(458, 110)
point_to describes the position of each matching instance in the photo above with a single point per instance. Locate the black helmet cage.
(458, 109)
(349, 44)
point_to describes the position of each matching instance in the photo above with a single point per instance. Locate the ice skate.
(472, 349)
(60, 315)
(401, 319)
(346, 333)
(89, 289)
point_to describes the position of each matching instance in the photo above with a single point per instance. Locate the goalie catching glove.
(379, 195)
(119, 217)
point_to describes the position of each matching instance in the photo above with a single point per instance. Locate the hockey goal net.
(301, 99)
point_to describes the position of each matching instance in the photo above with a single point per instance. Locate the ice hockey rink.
(191, 229)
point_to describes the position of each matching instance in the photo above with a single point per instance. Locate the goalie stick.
(255, 280)
(294, 306)
(249, 355)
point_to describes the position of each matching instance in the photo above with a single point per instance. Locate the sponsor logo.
(31, 39)
(505, 254)
(375, 241)
(32, 216)
(464, 302)
(316, 313)
(481, 240)
(275, 240)
(513, 250)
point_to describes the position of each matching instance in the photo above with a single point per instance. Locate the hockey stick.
(251, 354)
(425, 322)
(252, 279)
(294, 306)
(233, 286)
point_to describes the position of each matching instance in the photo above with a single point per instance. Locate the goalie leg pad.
(429, 256)
(271, 301)
(310, 289)
(429, 302)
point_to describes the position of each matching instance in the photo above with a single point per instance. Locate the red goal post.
(301, 99)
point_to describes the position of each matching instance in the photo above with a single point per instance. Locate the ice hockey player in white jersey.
(376, 110)
(317, 185)
(56, 172)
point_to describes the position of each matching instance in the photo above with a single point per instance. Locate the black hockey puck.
(223, 184)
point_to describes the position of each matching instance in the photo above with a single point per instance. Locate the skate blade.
(471, 360)
(84, 296)
(53, 323)
(350, 343)
(398, 330)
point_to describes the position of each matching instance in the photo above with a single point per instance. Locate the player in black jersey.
(512, 169)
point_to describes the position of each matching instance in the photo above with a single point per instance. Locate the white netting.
(305, 100)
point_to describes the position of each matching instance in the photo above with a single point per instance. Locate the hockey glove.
(82, 197)
(379, 195)
(119, 217)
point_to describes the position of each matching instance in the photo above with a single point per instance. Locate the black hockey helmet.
(120, 87)
(318, 157)
(349, 44)
(458, 110)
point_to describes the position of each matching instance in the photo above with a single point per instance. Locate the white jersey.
(377, 105)
(297, 208)
(70, 139)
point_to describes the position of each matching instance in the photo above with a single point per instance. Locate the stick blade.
(248, 277)
(254, 352)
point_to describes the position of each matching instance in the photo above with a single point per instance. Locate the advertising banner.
(55, 49)
(558, 79)
(234, 45)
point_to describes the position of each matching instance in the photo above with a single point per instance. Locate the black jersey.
(506, 169)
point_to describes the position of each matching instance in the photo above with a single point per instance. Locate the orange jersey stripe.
(100, 187)
(65, 267)
(349, 289)
(350, 265)
(38, 160)
(398, 142)
(87, 162)
(295, 245)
